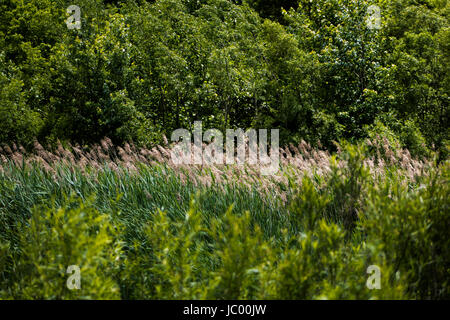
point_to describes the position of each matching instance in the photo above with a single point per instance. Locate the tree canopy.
(138, 69)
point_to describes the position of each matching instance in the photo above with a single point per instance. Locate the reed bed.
(295, 163)
(142, 227)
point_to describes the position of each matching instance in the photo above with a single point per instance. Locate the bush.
(54, 239)
(19, 123)
(411, 227)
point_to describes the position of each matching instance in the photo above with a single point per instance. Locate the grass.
(140, 227)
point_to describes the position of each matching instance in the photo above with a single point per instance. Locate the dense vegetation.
(138, 69)
(140, 227)
(364, 171)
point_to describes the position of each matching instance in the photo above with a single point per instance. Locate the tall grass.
(141, 227)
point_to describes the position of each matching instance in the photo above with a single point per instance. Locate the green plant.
(54, 239)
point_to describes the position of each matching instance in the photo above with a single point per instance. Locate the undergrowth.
(147, 233)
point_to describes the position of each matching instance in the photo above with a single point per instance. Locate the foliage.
(56, 238)
(154, 236)
(410, 228)
(141, 227)
(139, 69)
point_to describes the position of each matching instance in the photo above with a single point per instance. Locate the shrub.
(54, 239)
(411, 228)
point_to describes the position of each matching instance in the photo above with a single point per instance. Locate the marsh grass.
(222, 231)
